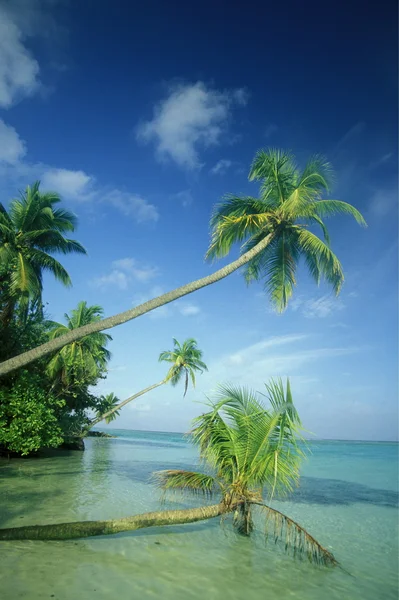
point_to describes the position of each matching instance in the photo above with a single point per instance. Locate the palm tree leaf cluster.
(32, 231)
(186, 360)
(290, 203)
(251, 452)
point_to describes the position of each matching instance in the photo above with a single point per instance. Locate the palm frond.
(330, 208)
(328, 264)
(295, 537)
(280, 270)
(186, 481)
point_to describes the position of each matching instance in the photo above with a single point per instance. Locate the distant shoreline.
(307, 439)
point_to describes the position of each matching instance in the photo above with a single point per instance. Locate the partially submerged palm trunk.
(80, 529)
(57, 343)
(122, 404)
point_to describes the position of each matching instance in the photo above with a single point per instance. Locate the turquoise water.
(348, 499)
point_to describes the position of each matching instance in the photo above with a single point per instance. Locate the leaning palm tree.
(186, 360)
(250, 452)
(30, 233)
(273, 231)
(83, 360)
(108, 403)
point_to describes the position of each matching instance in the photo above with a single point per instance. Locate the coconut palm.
(83, 361)
(186, 360)
(274, 233)
(108, 403)
(249, 451)
(30, 233)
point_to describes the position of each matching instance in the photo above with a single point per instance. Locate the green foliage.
(186, 360)
(81, 364)
(28, 416)
(290, 202)
(250, 450)
(107, 403)
(30, 232)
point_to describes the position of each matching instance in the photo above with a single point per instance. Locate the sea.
(347, 499)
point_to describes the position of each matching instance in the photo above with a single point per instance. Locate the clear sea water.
(348, 499)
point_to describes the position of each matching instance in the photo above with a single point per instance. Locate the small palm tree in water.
(251, 452)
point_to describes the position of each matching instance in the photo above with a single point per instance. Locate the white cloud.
(132, 205)
(185, 197)
(115, 278)
(80, 187)
(19, 71)
(189, 310)
(221, 167)
(133, 268)
(12, 148)
(124, 271)
(192, 117)
(75, 185)
(317, 308)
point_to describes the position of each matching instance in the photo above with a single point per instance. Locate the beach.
(347, 499)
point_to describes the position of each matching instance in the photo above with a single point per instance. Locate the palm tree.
(83, 361)
(249, 451)
(30, 233)
(274, 233)
(186, 360)
(109, 403)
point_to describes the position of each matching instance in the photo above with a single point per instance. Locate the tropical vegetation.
(273, 231)
(31, 231)
(250, 453)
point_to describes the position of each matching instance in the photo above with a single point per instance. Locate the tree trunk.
(80, 529)
(109, 322)
(121, 404)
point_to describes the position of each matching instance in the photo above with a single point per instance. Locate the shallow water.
(348, 499)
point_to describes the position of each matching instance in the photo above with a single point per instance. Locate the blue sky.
(142, 117)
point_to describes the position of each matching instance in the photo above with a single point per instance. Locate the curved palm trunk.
(123, 403)
(80, 529)
(27, 357)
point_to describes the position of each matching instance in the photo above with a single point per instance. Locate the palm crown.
(250, 450)
(84, 359)
(108, 403)
(186, 360)
(290, 203)
(30, 233)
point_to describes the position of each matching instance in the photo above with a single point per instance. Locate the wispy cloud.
(352, 133)
(12, 148)
(19, 70)
(189, 310)
(192, 117)
(384, 202)
(131, 205)
(317, 308)
(185, 198)
(275, 356)
(221, 167)
(382, 160)
(124, 272)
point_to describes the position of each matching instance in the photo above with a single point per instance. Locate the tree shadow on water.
(317, 490)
